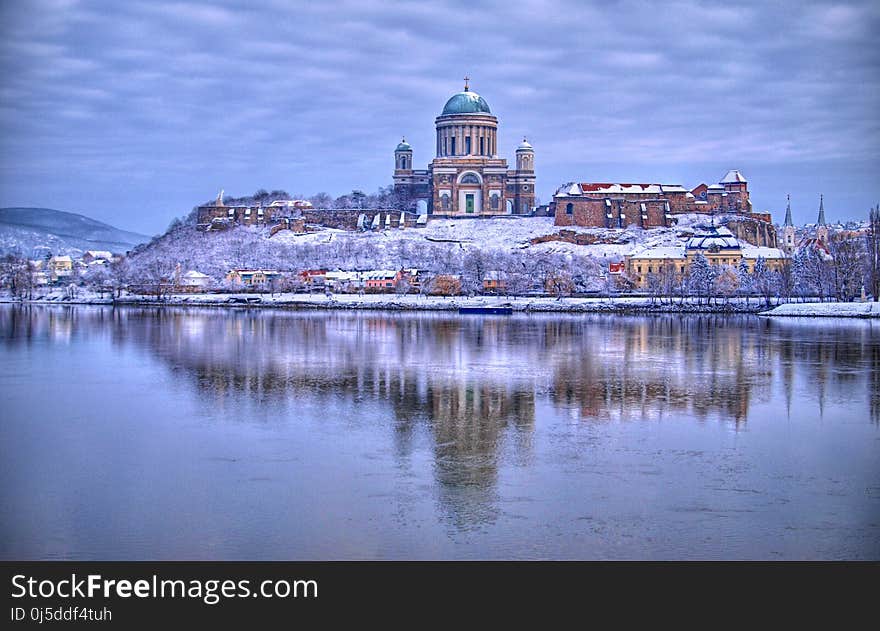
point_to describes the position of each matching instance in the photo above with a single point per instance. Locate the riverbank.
(403, 303)
(826, 310)
(388, 302)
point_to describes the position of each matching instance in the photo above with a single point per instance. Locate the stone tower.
(525, 157)
(788, 228)
(403, 157)
(821, 226)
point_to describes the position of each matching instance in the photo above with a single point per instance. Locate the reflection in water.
(553, 419)
(474, 384)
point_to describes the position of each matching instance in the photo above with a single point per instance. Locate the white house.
(192, 278)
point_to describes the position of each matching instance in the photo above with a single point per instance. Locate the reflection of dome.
(403, 146)
(466, 102)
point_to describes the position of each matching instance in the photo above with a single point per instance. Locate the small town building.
(60, 267)
(494, 282)
(250, 277)
(718, 244)
(97, 256)
(313, 278)
(381, 279)
(195, 280)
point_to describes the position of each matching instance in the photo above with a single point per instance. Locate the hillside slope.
(30, 231)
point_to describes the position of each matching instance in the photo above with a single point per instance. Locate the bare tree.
(872, 239)
(847, 266)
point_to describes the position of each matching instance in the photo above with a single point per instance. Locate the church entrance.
(469, 203)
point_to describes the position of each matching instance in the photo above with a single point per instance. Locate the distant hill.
(33, 231)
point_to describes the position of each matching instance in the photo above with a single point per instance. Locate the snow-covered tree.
(702, 277)
(726, 283)
(744, 279)
(847, 266)
(872, 257)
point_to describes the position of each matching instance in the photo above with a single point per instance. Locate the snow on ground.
(505, 233)
(440, 303)
(828, 309)
(619, 304)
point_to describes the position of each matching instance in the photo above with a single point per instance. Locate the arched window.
(469, 178)
(569, 208)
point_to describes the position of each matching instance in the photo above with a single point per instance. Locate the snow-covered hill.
(505, 234)
(34, 231)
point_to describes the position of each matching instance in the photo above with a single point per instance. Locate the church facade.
(467, 178)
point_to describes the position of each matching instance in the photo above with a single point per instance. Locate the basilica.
(467, 177)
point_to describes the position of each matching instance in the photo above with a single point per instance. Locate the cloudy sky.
(133, 112)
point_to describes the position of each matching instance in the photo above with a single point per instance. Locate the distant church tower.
(821, 226)
(525, 157)
(403, 156)
(788, 228)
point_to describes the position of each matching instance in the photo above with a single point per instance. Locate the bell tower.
(403, 156)
(821, 226)
(788, 228)
(525, 157)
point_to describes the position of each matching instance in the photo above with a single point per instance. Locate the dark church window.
(470, 178)
(569, 208)
(453, 147)
(482, 146)
(467, 145)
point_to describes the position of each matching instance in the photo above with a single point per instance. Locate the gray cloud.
(133, 112)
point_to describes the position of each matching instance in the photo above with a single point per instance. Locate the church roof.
(788, 221)
(720, 237)
(466, 102)
(403, 146)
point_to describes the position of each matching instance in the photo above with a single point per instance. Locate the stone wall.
(241, 215)
(347, 218)
(751, 230)
(594, 212)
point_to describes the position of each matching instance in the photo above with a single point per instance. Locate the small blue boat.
(485, 310)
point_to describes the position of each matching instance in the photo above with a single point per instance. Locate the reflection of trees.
(473, 383)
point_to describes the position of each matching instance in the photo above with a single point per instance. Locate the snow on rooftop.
(609, 187)
(753, 251)
(660, 252)
(733, 177)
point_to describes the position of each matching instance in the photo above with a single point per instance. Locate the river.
(184, 433)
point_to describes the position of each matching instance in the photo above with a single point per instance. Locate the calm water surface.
(216, 434)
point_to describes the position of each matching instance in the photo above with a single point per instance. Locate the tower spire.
(788, 221)
(821, 221)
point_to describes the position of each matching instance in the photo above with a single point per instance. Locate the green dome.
(466, 102)
(403, 146)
